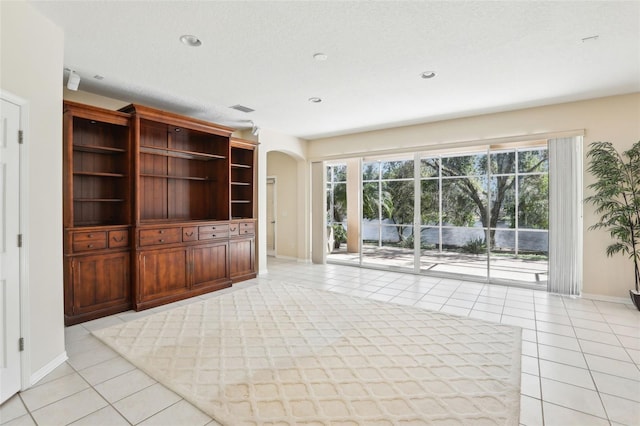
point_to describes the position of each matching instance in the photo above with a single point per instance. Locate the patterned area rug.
(280, 354)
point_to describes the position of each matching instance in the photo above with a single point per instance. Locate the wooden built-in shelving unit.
(158, 207)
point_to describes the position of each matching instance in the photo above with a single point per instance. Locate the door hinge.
(21, 344)
(19, 240)
(20, 136)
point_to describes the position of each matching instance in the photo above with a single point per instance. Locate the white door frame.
(275, 214)
(24, 230)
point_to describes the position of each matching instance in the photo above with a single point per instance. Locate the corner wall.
(615, 119)
(32, 68)
(284, 168)
(297, 149)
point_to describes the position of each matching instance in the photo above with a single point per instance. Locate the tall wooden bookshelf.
(97, 212)
(243, 207)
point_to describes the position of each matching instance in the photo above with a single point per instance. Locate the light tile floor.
(580, 357)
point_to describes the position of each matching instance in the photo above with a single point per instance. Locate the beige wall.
(93, 99)
(31, 68)
(615, 119)
(285, 170)
(299, 217)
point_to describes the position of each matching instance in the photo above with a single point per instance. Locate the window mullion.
(379, 205)
(517, 203)
(417, 216)
(487, 231)
(440, 197)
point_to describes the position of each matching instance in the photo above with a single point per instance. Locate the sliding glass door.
(519, 229)
(479, 214)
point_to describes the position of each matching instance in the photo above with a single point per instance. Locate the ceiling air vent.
(242, 108)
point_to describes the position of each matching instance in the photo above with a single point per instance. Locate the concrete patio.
(503, 267)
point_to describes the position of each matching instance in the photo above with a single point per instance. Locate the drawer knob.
(162, 231)
(90, 236)
(117, 240)
(90, 246)
(188, 234)
(162, 241)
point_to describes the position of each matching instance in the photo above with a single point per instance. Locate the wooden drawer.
(118, 238)
(210, 232)
(190, 233)
(149, 237)
(247, 228)
(214, 229)
(83, 241)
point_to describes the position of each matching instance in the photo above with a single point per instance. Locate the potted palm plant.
(616, 198)
(339, 235)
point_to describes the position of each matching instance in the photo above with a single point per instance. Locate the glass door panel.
(533, 217)
(388, 213)
(502, 218)
(338, 200)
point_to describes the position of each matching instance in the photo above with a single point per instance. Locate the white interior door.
(271, 216)
(9, 251)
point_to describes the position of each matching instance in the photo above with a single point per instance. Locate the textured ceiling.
(488, 56)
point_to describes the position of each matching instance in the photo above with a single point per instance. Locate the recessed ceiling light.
(320, 57)
(315, 100)
(190, 40)
(428, 74)
(98, 77)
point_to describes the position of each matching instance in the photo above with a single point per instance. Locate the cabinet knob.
(90, 246)
(90, 236)
(162, 231)
(162, 241)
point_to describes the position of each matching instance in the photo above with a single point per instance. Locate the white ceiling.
(488, 56)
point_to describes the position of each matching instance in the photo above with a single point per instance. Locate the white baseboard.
(277, 256)
(52, 365)
(603, 298)
(293, 259)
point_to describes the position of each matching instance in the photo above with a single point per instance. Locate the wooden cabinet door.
(242, 257)
(162, 273)
(210, 264)
(100, 282)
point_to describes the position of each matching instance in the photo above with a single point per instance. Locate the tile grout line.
(595, 385)
(102, 396)
(535, 323)
(76, 371)
(29, 413)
